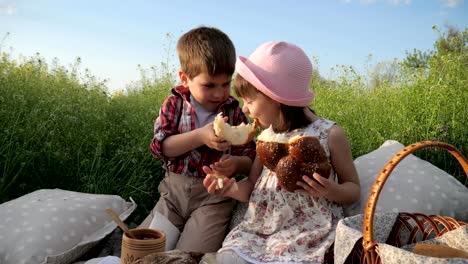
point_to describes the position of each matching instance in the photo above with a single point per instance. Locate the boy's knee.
(198, 244)
(206, 229)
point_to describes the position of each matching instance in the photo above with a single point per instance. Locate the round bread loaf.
(293, 158)
(237, 135)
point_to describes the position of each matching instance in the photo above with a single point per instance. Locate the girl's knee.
(229, 256)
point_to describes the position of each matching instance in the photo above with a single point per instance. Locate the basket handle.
(367, 228)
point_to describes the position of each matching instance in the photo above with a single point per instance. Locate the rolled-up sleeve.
(165, 125)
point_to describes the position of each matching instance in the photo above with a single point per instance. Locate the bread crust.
(301, 155)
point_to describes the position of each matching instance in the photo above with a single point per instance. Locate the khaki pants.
(201, 218)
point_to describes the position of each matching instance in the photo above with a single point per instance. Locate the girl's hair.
(243, 88)
(293, 116)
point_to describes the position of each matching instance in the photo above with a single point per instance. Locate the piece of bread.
(220, 183)
(237, 135)
(293, 158)
(439, 251)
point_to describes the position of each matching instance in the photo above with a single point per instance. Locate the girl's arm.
(228, 165)
(348, 188)
(244, 164)
(244, 187)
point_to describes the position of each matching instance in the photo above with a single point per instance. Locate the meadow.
(60, 128)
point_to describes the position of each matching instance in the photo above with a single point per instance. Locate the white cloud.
(8, 9)
(451, 3)
(367, 2)
(443, 13)
(393, 2)
(399, 2)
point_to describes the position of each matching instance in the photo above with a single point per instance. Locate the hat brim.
(245, 68)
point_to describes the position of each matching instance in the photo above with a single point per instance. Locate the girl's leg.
(230, 256)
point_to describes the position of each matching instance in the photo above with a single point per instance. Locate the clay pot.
(147, 241)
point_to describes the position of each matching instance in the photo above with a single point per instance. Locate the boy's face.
(209, 91)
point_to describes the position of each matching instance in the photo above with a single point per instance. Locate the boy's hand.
(227, 165)
(211, 182)
(211, 140)
(318, 186)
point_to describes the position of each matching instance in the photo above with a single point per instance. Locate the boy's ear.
(183, 78)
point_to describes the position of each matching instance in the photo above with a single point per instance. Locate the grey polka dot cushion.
(56, 226)
(414, 186)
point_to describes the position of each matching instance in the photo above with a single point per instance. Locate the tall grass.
(418, 106)
(59, 128)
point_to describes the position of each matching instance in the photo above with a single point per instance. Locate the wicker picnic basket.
(417, 227)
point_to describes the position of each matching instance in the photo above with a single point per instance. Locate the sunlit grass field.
(60, 128)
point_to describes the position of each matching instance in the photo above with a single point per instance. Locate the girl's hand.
(318, 186)
(211, 182)
(227, 165)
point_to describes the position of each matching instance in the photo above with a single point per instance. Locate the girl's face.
(263, 108)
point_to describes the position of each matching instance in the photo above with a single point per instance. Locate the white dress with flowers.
(282, 226)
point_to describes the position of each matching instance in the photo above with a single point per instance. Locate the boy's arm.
(179, 144)
(165, 125)
(168, 142)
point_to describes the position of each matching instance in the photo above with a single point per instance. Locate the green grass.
(418, 107)
(59, 128)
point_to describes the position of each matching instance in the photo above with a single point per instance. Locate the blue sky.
(112, 37)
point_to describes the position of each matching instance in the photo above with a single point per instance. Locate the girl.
(282, 226)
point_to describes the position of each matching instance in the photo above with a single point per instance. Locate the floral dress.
(282, 226)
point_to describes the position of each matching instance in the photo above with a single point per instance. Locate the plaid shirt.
(176, 116)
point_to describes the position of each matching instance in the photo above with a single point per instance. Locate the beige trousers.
(201, 218)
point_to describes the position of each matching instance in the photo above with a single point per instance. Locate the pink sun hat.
(280, 70)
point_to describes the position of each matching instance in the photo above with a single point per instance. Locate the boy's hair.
(206, 49)
(293, 116)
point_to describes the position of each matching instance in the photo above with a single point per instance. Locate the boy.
(184, 139)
